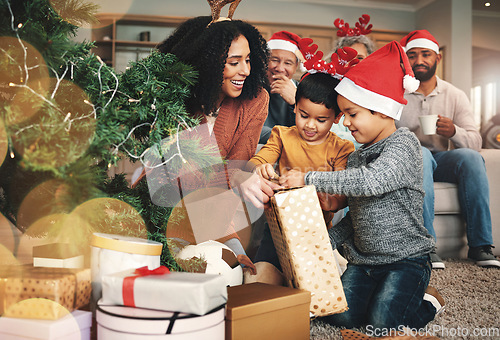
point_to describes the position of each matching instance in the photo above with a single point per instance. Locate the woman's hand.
(253, 188)
(292, 178)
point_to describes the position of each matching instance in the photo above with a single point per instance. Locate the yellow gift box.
(42, 293)
(303, 245)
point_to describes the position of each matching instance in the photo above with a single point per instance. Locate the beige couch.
(448, 223)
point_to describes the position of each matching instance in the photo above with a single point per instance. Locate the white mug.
(428, 124)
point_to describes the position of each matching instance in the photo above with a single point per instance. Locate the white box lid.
(72, 323)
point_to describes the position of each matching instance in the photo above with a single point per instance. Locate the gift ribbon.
(128, 282)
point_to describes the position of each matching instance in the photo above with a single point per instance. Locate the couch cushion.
(450, 236)
(445, 198)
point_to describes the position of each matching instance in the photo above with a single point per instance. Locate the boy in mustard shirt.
(307, 146)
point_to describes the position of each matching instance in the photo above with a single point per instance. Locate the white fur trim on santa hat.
(410, 83)
(368, 99)
(422, 43)
(277, 44)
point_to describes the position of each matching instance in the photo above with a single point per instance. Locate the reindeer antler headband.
(216, 7)
(342, 60)
(362, 27)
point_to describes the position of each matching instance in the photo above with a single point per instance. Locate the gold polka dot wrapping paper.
(42, 293)
(306, 256)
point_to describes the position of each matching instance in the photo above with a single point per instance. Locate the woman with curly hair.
(230, 57)
(206, 49)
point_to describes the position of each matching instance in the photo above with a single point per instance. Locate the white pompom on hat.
(284, 40)
(378, 83)
(421, 39)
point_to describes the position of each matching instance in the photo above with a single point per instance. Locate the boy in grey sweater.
(382, 236)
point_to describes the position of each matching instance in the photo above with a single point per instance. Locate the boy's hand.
(266, 171)
(292, 178)
(253, 188)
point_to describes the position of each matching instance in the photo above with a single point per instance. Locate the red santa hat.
(378, 82)
(420, 38)
(284, 40)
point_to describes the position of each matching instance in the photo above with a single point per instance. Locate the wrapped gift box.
(193, 293)
(42, 293)
(306, 255)
(75, 325)
(128, 323)
(57, 255)
(267, 312)
(116, 253)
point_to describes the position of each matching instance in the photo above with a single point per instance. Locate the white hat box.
(129, 323)
(114, 253)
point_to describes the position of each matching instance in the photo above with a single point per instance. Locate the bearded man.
(452, 153)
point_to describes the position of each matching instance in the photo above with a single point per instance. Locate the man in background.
(283, 63)
(452, 154)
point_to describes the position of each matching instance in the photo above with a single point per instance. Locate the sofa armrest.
(492, 161)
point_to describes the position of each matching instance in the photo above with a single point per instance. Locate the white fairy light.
(69, 67)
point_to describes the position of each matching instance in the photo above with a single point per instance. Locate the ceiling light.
(487, 4)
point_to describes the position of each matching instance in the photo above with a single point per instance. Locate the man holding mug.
(452, 153)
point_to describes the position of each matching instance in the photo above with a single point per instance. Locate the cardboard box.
(267, 312)
(128, 323)
(57, 255)
(42, 293)
(75, 325)
(303, 245)
(194, 293)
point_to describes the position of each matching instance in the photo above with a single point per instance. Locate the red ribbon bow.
(128, 282)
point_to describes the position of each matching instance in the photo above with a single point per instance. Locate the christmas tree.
(66, 117)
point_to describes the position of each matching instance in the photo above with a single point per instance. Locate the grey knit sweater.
(383, 183)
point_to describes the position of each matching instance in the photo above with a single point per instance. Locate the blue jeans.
(466, 168)
(386, 296)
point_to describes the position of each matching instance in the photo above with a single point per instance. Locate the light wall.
(266, 10)
(263, 11)
(452, 22)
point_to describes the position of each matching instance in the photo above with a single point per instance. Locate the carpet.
(472, 298)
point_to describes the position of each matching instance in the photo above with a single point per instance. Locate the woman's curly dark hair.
(206, 48)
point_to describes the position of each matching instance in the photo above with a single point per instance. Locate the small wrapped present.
(193, 293)
(306, 256)
(57, 255)
(42, 293)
